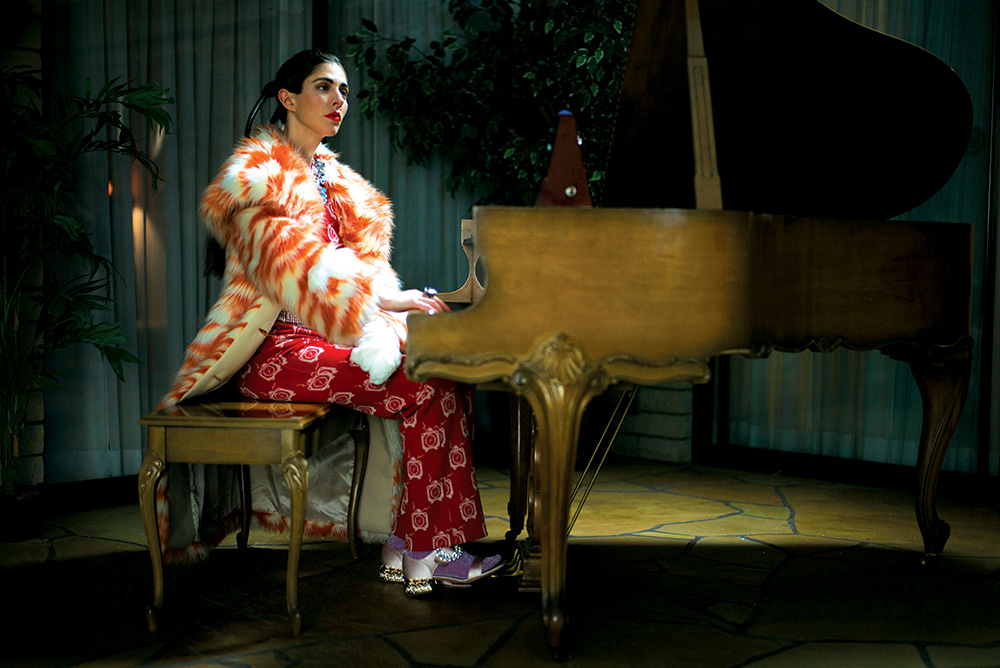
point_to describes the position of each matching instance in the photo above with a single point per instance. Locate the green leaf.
(71, 226)
(44, 148)
(490, 105)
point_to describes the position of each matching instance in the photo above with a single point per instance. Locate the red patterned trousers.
(440, 504)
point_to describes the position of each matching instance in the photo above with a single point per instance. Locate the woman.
(311, 310)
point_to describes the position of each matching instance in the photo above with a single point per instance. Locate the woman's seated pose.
(311, 310)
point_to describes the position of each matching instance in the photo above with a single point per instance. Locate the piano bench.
(246, 433)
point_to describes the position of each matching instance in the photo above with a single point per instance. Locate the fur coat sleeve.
(265, 209)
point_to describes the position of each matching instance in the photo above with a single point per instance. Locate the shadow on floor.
(721, 569)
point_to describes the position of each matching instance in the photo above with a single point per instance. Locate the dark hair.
(291, 75)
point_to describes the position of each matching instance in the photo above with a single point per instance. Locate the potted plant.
(487, 94)
(54, 284)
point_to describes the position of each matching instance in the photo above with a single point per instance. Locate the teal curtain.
(211, 55)
(863, 405)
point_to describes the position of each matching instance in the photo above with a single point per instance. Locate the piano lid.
(814, 114)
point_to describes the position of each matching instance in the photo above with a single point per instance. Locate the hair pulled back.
(291, 75)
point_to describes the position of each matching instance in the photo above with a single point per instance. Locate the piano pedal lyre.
(603, 448)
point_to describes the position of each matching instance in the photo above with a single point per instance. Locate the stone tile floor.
(669, 565)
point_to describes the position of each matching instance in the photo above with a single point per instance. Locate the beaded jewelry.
(319, 176)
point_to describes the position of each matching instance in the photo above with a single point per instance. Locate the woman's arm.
(328, 287)
(412, 300)
(264, 208)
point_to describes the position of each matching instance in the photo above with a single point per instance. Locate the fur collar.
(267, 170)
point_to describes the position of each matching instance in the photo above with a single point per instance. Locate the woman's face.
(321, 106)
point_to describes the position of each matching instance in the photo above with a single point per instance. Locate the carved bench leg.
(149, 474)
(943, 380)
(295, 471)
(361, 441)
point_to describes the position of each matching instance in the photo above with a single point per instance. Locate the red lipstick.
(334, 115)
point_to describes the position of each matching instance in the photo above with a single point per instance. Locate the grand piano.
(760, 148)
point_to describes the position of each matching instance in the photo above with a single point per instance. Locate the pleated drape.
(211, 55)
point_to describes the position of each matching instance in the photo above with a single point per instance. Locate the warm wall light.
(111, 189)
(156, 145)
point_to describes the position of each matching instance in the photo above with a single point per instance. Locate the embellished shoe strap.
(447, 557)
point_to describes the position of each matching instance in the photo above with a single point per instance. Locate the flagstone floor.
(669, 565)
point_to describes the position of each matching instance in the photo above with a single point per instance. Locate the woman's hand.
(413, 300)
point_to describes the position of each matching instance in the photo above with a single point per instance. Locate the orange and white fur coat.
(266, 211)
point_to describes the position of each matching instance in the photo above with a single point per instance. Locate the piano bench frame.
(244, 434)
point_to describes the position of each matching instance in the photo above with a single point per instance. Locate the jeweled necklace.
(319, 176)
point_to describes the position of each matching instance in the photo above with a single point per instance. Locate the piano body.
(650, 286)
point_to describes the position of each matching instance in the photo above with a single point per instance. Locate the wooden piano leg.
(555, 453)
(558, 384)
(943, 379)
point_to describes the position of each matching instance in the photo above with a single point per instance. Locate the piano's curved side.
(649, 295)
(646, 295)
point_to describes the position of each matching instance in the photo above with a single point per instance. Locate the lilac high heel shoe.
(447, 566)
(391, 569)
